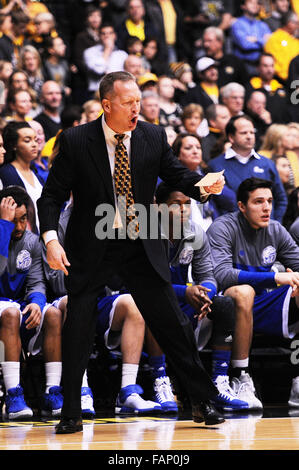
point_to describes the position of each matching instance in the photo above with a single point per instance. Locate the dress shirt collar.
(109, 133)
(230, 153)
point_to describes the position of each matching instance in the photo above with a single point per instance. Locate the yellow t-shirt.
(284, 48)
(136, 29)
(212, 91)
(256, 83)
(169, 16)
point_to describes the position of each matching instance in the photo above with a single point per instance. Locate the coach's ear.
(106, 105)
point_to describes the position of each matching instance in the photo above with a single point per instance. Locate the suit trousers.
(157, 302)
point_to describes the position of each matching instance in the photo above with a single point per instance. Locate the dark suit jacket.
(82, 166)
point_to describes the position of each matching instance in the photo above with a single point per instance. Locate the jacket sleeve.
(6, 229)
(35, 281)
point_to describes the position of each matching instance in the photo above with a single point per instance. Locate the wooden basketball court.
(239, 432)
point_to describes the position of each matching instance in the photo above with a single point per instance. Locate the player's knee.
(243, 295)
(53, 319)
(10, 317)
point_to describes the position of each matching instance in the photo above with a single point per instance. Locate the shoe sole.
(20, 414)
(208, 422)
(293, 404)
(128, 411)
(53, 413)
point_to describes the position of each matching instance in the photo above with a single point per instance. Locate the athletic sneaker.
(227, 399)
(164, 396)
(52, 402)
(129, 401)
(15, 405)
(244, 389)
(294, 394)
(87, 408)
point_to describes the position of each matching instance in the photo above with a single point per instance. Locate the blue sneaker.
(87, 408)
(164, 396)
(129, 402)
(15, 405)
(227, 399)
(52, 402)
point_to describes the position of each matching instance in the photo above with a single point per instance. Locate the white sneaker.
(87, 408)
(164, 396)
(294, 394)
(244, 389)
(129, 401)
(227, 399)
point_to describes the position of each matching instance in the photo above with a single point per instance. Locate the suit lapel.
(98, 152)
(138, 147)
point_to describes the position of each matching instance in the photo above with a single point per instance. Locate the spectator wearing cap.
(148, 82)
(249, 34)
(182, 79)
(207, 91)
(231, 68)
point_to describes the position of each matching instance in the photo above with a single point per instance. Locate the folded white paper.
(210, 179)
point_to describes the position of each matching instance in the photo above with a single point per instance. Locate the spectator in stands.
(217, 116)
(249, 35)
(278, 141)
(265, 80)
(231, 68)
(51, 99)
(147, 82)
(20, 105)
(26, 321)
(182, 79)
(279, 8)
(151, 54)
(193, 120)
(284, 170)
(232, 96)
(168, 17)
(256, 108)
(284, 45)
(6, 70)
(19, 80)
(92, 109)
(136, 24)
(40, 163)
(187, 148)
(170, 111)
(21, 146)
(13, 40)
(30, 61)
(56, 66)
(150, 107)
(291, 138)
(133, 65)
(244, 247)
(88, 37)
(103, 58)
(241, 161)
(206, 92)
(45, 25)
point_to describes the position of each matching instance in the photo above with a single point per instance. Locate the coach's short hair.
(107, 82)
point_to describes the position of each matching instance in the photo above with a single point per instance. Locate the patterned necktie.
(123, 187)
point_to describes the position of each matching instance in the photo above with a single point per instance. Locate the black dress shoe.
(206, 412)
(68, 426)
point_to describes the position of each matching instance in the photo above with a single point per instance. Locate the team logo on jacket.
(186, 256)
(23, 261)
(268, 255)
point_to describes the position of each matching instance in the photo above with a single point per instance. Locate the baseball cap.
(204, 63)
(147, 77)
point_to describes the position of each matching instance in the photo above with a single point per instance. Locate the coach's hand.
(56, 256)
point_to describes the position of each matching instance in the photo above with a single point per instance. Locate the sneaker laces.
(163, 390)
(224, 389)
